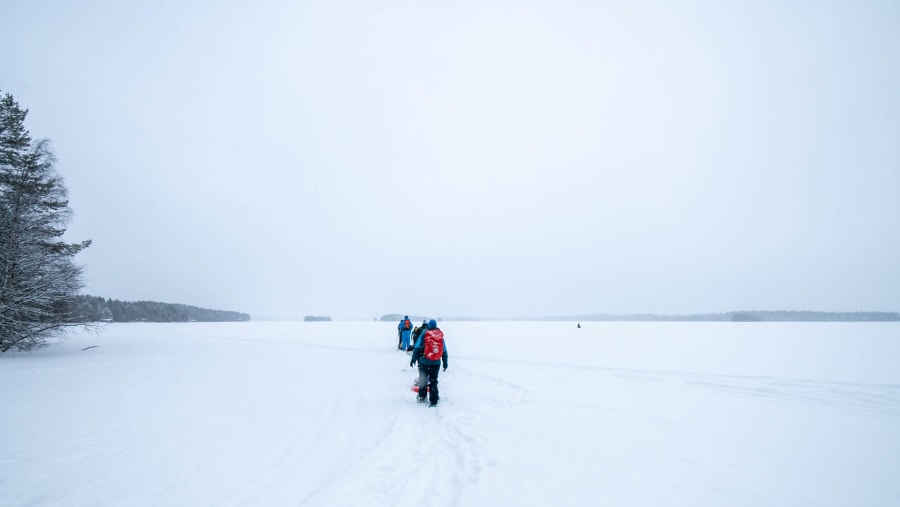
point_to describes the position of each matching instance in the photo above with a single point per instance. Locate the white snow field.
(531, 413)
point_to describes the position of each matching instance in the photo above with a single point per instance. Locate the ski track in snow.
(848, 397)
(875, 399)
(444, 464)
(437, 446)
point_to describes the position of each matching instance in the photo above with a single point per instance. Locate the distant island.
(314, 318)
(97, 309)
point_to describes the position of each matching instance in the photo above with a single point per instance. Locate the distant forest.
(742, 316)
(748, 316)
(97, 309)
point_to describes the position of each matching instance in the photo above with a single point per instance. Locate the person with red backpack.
(430, 351)
(403, 329)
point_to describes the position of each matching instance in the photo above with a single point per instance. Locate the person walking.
(430, 351)
(416, 333)
(403, 329)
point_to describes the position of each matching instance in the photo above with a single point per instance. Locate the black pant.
(428, 376)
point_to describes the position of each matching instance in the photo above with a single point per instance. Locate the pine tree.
(38, 275)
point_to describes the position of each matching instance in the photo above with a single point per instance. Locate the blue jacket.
(401, 331)
(417, 352)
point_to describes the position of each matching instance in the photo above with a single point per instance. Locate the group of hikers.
(426, 342)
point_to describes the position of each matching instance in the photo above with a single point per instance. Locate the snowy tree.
(38, 276)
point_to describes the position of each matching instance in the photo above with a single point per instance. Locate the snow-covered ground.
(532, 413)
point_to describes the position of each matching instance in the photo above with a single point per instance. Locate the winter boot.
(433, 392)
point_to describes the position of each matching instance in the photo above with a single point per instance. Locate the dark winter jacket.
(418, 331)
(417, 354)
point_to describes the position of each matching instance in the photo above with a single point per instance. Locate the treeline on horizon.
(97, 309)
(415, 319)
(739, 316)
(747, 316)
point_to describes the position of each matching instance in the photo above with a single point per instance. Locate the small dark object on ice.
(91, 347)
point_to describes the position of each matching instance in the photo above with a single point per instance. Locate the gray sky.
(506, 158)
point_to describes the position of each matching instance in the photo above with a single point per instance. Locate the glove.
(445, 367)
(411, 363)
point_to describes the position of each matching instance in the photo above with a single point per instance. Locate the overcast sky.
(472, 158)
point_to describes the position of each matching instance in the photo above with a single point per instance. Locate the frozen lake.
(532, 413)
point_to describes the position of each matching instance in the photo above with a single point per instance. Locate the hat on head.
(432, 324)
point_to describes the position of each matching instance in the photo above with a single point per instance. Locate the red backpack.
(433, 346)
(406, 324)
